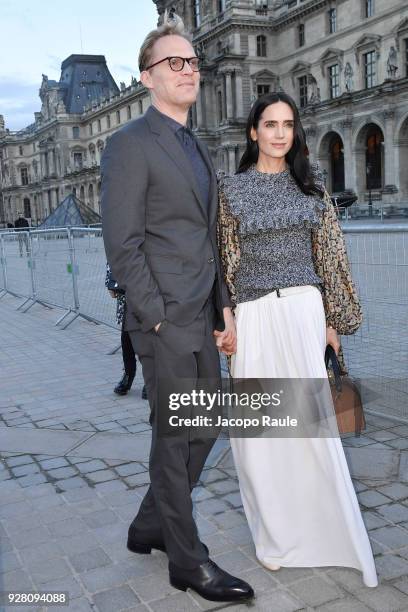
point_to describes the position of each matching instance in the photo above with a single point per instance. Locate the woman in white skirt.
(286, 267)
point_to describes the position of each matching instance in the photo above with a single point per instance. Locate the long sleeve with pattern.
(341, 303)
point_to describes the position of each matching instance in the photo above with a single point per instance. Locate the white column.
(349, 157)
(391, 178)
(51, 160)
(52, 200)
(228, 94)
(199, 108)
(231, 159)
(223, 159)
(239, 94)
(42, 164)
(44, 204)
(54, 162)
(310, 132)
(389, 167)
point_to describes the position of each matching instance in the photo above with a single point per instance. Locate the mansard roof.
(85, 79)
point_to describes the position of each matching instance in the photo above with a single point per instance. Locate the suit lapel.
(169, 142)
(213, 196)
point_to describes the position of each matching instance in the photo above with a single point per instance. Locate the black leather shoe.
(124, 384)
(146, 549)
(211, 582)
(144, 393)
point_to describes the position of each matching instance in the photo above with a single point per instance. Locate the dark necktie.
(199, 166)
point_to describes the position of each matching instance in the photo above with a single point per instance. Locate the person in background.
(128, 353)
(21, 225)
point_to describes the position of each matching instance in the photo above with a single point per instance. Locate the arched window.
(129, 112)
(374, 142)
(337, 164)
(82, 194)
(27, 208)
(261, 45)
(91, 195)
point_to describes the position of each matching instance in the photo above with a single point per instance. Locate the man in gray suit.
(159, 205)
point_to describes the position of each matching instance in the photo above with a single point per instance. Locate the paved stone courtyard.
(73, 470)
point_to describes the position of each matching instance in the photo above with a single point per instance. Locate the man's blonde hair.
(172, 25)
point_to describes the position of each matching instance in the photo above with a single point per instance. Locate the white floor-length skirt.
(297, 493)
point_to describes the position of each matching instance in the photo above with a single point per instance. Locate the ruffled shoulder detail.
(263, 202)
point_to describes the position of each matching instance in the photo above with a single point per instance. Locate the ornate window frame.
(299, 69)
(401, 34)
(331, 56)
(264, 77)
(367, 42)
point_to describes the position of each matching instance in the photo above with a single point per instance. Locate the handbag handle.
(330, 355)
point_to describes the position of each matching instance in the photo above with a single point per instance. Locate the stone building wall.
(359, 135)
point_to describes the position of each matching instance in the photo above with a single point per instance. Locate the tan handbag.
(346, 397)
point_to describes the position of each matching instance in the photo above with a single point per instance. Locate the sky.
(37, 35)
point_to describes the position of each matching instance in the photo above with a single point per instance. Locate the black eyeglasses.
(177, 63)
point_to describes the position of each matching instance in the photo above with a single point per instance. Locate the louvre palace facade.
(345, 62)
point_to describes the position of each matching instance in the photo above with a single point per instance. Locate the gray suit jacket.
(160, 237)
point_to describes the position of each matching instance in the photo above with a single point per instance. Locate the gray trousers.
(176, 461)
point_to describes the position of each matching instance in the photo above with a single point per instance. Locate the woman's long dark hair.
(297, 158)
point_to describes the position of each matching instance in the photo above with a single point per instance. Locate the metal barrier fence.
(65, 267)
(378, 352)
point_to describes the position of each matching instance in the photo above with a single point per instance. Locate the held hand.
(332, 338)
(226, 340)
(156, 327)
(112, 293)
(224, 346)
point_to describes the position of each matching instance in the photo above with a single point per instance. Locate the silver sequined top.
(274, 223)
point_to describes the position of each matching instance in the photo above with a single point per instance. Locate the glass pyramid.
(71, 212)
